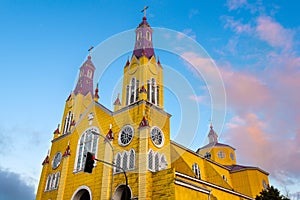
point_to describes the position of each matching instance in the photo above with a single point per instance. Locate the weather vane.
(144, 10)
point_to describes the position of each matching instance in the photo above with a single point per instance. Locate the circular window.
(157, 137)
(125, 135)
(231, 156)
(56, 160)
(221, 154)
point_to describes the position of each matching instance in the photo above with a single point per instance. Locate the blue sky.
(254, 44)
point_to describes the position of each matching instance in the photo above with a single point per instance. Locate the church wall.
(163, 186)
(227, 158)
(249, 182)
(187, 193)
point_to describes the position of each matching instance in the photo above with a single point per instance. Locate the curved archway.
(122, 192)
(82, 193)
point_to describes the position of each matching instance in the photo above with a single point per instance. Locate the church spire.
(85, 81)
(143, 40)
(212, 135)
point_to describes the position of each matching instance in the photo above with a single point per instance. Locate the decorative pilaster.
(143, 132)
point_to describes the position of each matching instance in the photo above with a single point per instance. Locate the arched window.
(196, 170)
(139, 35)
(89, 74)
(127, 95)
(224, 178)
(57, 176)
(221, 154)
(48, 183)
(156, 162)
(125, 161)
(137, 90)
(163, 162)
(152, 91)
(150, 160)
(68, 121)
(53, 179)
(118, 163)
(157, 95)
(88, 143)
(148, 90)
(131, 159)
(148, 35)
(132, 90)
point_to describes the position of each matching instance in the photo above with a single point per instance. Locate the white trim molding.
(212, 185)
(83, 187)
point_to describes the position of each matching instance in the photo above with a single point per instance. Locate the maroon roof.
(96, 92)
(143, 89)
(148, 52)
(210, 145)
(117, 101)
(144, 122)
(234, 168)
(85, 81)
(144, 23)
(46, 161)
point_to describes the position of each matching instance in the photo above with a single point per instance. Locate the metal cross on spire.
(90, 50)
(144, 10)
(211, 126)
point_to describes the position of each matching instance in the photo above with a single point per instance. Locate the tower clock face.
(157, 137)
(56, 160)
(125, 135)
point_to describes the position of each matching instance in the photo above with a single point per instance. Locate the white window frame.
(125, 164)
(156, 162)
(152, 88)
(139, 35)
(163, 162)
(196, 170)
(130, 157)
(224, 177)
(68, 121)
(162, 134)
(150, 160)
(148, 36)
(57, 177)
(221, 154)
(89, 73)
(80, 159)
(119, 136)
(48, 182)
(117, 170)
(131, 160)
(132, 90)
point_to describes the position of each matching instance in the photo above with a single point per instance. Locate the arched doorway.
(82, 193)
(122, 192)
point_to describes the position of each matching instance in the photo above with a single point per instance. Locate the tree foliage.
(271, 193)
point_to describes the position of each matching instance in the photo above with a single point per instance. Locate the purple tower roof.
(85, 80)
(143, 40)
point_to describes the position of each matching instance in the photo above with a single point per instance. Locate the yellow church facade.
(136, 157)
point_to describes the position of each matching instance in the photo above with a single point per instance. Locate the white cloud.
(274, 33)
(235, 4)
